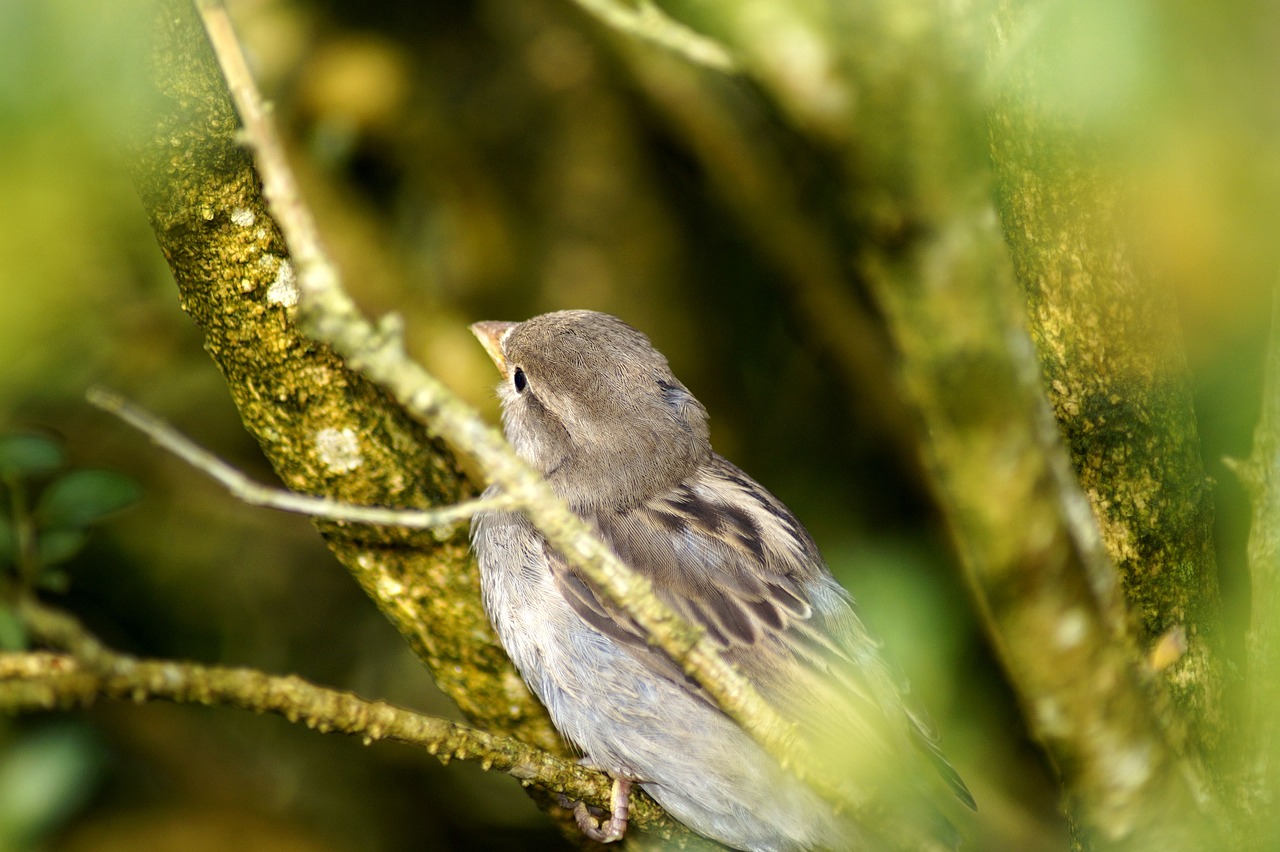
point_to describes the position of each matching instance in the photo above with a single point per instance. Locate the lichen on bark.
(324, 428)
(1110, 349)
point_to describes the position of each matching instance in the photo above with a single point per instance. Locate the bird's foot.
(605, 828)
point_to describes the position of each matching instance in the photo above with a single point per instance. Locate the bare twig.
(257, 494)
(87, 670)
(645, 21)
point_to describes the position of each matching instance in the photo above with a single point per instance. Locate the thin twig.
(87, 670)
(644, 20)
(329, 315)
(256, 494)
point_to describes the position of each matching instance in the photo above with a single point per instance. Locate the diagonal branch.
(905, 108)
(328, 314)
(646, 21)
(235, 279)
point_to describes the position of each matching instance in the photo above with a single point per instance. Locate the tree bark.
(1110, 349)
(324, 428)
(895, 91)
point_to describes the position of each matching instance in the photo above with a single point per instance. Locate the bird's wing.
(730, 557)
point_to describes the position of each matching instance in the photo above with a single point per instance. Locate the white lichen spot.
(1071, 629)
(1132, 767)
(1050, 717)
(389, 588)
(243, 217)
(339, 449)
(284, 289)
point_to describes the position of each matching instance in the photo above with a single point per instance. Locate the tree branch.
(329, 315)
(1109, 345)
(762, 190)
(246, 291)
(644, 20)
(248, 491)
(234, 277)
(903, 107)
(88, 671)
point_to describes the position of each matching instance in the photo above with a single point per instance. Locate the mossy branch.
(327, 314)
(903, 109)
(1110, 348)
(86, 671)
(325, 429)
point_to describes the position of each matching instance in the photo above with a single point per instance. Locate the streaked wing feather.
(730, 557)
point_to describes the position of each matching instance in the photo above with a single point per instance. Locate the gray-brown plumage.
(589, 403)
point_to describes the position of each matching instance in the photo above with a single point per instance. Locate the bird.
(591, 405)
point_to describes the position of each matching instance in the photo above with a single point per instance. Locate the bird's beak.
(491, 334)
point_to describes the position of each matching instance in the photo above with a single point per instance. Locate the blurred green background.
(493, 160)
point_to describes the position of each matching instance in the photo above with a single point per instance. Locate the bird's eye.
(518, 379)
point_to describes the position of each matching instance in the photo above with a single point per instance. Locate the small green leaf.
(45, 775)
(13, 635)
(30, 454)
(59, 545)
(84, 496)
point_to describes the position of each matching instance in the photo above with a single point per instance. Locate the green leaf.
(59, 545)
(84, 496)
(13, 635)
(30, 454)
(45, 775)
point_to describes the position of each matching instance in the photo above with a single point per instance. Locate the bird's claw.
(613, 828)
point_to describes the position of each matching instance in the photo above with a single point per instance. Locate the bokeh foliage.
(491, 160)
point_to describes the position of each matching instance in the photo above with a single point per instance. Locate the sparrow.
(589, 403)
